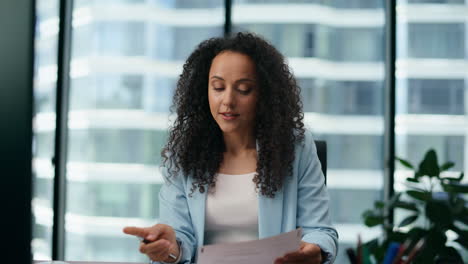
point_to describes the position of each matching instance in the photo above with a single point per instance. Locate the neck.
(237, 143)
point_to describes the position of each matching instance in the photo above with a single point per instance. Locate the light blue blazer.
(302, 202)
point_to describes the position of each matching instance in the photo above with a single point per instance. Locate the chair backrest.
(322, 155)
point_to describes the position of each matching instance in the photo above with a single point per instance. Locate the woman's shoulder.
(171, 174)
(307, 142)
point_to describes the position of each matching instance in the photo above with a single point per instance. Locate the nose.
(229, 98)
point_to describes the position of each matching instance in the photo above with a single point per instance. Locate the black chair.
(322, 155)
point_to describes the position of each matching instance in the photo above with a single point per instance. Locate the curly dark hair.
(195, 145)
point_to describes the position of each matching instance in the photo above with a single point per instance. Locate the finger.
(279, 260)
(305, 254)
(303, 258)
(283, 260)
(295, 256)
(155, 247)
(153, 233)
(160, 255)
(307, 251)
(135, 231)
(158, 250)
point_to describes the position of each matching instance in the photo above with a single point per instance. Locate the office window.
(120, 96)
(104, 199)
(122, 38)
(436, 1)
(429, 96)
(322, 41)
(444, 41)
(430, 84)
(179, 41)
(181, 4)
(186, 39)
(351, 214)
(126, 58)
(342, 97)
(342, 149)
(294, 40)
(107, 91)
(309, 49)
(332, 3)
(340, 44)
(45, 77)
(339, 92)
(115, 145)
(448, 147)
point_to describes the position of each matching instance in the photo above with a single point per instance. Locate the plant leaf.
(393, 199)
(416, 233)
(367, 213)
(434, 242)
(462, 241)
(412, 180)
(438, 212)
(462, 217)
(371, 218)
(429, 165)
(455, 187)
(448, 255)
(462, 236)
(371, 221)
(458, 205)
(422, 196)
(405, 163)
(408, 220)
(397, 236)
(379, 204)
(376, 249)
(447, 166)
(407, 206)
(418, 174)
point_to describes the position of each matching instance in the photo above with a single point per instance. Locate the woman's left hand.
(307, 254)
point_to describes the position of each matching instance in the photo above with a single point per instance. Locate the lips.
(229, 116)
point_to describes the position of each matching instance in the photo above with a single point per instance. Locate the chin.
(227, 128)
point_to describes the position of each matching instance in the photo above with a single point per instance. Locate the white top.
(231, 210)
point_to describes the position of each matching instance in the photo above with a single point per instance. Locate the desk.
(91, 262)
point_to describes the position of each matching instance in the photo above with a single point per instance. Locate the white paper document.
(262, 251)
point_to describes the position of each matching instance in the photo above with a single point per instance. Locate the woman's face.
(233, 91)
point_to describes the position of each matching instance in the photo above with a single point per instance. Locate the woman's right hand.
(162, 241)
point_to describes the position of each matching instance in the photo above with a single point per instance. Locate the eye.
(244, 90)
(218, 88)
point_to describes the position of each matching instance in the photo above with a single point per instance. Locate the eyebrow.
(240, 80)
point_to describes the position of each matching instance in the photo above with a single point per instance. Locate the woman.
(239, 164)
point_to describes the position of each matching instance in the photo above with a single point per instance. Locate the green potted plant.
(435, 203)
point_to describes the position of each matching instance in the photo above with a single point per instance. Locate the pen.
(351, 255)
(415, 250)
(145, 241)
(401, 251)
(391, 253)
(359, 250)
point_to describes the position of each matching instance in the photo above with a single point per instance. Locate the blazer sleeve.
(313, 202)
(174, 211)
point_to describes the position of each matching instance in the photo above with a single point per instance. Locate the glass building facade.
(128, 54)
